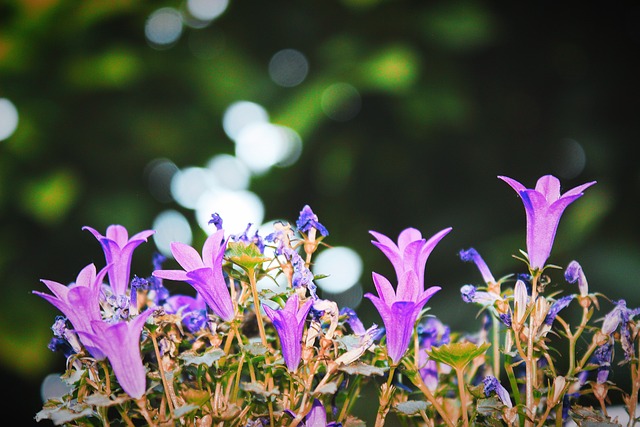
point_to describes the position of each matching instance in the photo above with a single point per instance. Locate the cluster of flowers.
(236, 355)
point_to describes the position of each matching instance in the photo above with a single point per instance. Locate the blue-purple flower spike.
(471, 255)
(309, 220)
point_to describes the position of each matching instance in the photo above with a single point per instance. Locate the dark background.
(452, 95)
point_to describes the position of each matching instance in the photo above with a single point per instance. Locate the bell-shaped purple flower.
(544, 206)
(121, 343)
(289, 324)
(203, 273)
(80, 302)
(118, 250)
(399, 308)
(411, 252)
(192, 310)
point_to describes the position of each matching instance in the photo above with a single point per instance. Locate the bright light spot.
(229, 172)
(159, 173)
(241, 114)
(341, 102)
(342, 265)
(189, 184)
(171, 226)
(8, 118)
(293, 148)
(350, 298)
(163, 27)
(288, 67)
(206, 10)
(53, 387)
(262, 145)
(236, 208)
(571, 159)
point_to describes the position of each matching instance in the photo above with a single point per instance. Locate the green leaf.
(246, 256)
(411, 407)
(183, 410)
(207, 357)
(359, 368)
(255, 349)
(457, 355)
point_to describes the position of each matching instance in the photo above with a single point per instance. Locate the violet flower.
(411, 252)
(400, 308)
(203, 273)
(193, 311)
(80, 302)
(316, 417)
(289, 324)
(472, 255)
(491, 385)
(574, 273)
(121, 344)
(544, 206)
(118, 250)
(308, 220)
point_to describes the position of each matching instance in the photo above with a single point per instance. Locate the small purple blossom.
(505, 318)
(492, 385)
(216, 220)
(118, 250)
(471, 294)
(544, 206)
(573, 274)
(603, 357)
(308, 220)
(193, 310)
(244, 238)
(316, 417)
(431, 333)
(471, 255)
(302, 276)
(556, 307)
(204, 273)
(353, 321)
(289, 324)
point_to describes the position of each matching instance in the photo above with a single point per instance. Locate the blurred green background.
(393, 114)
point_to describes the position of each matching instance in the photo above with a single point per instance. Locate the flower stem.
(463, 397)
(417, 381)
(530, 363)
(162, 374)
(256, 304)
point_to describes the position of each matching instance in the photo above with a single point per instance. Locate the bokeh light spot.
(236, 208)
(343, 266)
(262, 145)
(189, 184)
(351, 298)
(341, 102)
(171, 226)
(163, 27)
(229, 172)
(288, 67)
(8, 118)
(206, 10)
(241, 114)
(571, 159)
(159, 174)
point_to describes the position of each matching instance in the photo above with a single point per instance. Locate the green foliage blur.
(451, 94)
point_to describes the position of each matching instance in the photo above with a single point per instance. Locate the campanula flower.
(316, 417)
(118, 250)
(431, 333)
(192, 310)
(121, 343)
(302, 276)
(400, 308)
(203, 273)
(80, 302)
(411, 252)
(289, 324)
(544, 206)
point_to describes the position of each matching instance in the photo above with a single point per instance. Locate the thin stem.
(162, 374)
(496, 346)
(529, 361)
(256, 304)
(418, 382)
(463, 397)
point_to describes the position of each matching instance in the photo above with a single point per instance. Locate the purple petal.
(186, 256)
(384, 288)
(549, 187)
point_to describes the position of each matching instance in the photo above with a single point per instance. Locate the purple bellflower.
(573, 274)
(400, 308)
(411, 252)
(192, 310)
(80, 302)
(118, 250)
(121, 343)
(203, 273)
(544, 206)
(316, 417)
(289, 324)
